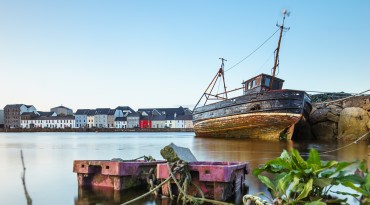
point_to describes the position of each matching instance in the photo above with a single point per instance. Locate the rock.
(325, 130)
(353, 123)
(332, 117)
(360, 101)
(318, 115)
(173, 153)
(335, 109)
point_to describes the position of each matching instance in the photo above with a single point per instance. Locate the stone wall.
(346, 119)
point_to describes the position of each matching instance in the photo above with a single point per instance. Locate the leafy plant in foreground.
(298, 181)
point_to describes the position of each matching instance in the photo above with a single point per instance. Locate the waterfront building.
(62, 111)
(133, 120)
(120, 122)
(166, 117)
(145, 121)
(147, 116)
(112, 115)
(159, 121)
(1, 118)
(81, 118)
(90, 118)
(13, 112)
(184, 121)
(101, 117)
(125, 109)
(59, 122)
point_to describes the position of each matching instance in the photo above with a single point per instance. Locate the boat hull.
(268, 126)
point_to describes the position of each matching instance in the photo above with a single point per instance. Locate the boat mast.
(285, 12)
(208, 92)
(223, 74)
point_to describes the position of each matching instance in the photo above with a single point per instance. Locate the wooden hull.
(269, 126)
(264, 115)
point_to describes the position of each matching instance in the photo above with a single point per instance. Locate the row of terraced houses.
(27, 117)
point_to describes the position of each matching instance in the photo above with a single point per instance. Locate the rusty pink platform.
(217, 180)
(115, 174)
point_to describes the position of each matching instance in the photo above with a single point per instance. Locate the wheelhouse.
(261, 83)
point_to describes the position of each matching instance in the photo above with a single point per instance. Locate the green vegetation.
(294, 180)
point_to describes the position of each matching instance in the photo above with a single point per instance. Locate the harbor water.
(49, 159)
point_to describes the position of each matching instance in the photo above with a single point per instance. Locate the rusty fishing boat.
(264, 110)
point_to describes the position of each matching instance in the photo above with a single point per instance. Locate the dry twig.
(28, 197)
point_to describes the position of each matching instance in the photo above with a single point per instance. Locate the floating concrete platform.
(116, 174)
(217, 180)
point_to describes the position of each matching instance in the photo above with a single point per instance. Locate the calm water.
(49, 159)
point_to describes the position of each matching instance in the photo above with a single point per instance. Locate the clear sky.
(151, 53)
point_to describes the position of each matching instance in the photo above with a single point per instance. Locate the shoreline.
(98, 130)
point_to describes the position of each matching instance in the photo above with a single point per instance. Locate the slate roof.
(121, 119)
(172, 111)
(32, 114)
(82, 111)
(54, 118)
(102, 111)
(134, 114)
(91, 112)
(111, 112)
(159, 118)
(123, 108)
(47, 114)
(149, 111)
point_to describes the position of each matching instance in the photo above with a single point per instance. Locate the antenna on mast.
(282, 28)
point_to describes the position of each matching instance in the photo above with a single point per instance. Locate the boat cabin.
(261, 83)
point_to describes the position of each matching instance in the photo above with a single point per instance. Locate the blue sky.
(145, 53)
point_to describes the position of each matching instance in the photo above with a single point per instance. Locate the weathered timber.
(264, 115)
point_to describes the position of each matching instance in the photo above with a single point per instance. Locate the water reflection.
(109, 196)
(49, 158)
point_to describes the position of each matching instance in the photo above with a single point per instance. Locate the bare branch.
(29, 200)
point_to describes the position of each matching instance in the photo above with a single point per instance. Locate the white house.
(120, 122)
(49, 122)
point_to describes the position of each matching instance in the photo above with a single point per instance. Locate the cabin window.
(267, 81)
(253, 84)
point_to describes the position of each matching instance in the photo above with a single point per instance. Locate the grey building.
(13, 112)
(101, 117)
(81, 118)
(133, 120)
(62, 111)
(1, 118)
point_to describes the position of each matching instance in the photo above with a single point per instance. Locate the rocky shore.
(343, 119)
